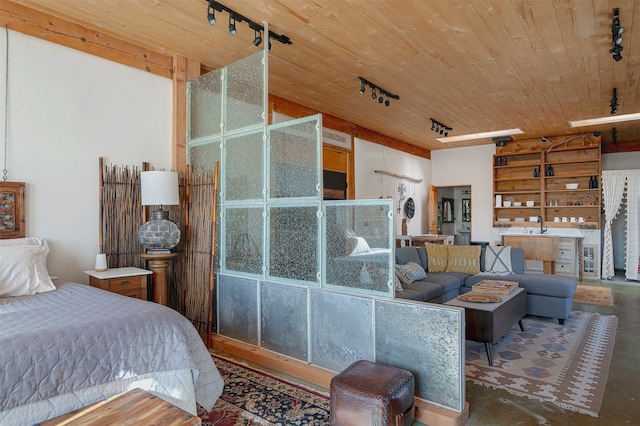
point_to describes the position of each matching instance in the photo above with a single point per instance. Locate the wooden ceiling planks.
(473, 65)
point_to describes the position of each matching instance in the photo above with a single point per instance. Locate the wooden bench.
(135, 407)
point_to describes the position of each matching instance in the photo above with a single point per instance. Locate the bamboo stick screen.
(188, 275)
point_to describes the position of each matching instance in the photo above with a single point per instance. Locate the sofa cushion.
(410, 272)
(464, 259)
(410, 295)
(406, 255)
(428, 290)
(498, 259)
(437, 257)
(447, 280)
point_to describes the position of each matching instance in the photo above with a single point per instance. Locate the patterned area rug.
(566, 365)
(593, 295)
(253, 397)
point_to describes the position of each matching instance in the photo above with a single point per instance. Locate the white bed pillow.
(23, 270)
(22, 242)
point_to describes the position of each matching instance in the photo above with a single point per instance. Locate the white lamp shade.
(159, 188)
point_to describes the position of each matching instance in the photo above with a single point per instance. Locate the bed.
(67, 345)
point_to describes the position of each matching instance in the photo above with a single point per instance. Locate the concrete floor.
(621, 405)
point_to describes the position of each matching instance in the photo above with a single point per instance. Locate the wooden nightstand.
(130, 282)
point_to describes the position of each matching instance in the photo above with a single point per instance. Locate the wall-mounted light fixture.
(377, 92)
(614, 101)
(440, 128)
(616, 32)
(235, 17)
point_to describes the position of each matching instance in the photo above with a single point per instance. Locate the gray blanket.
(79, 336)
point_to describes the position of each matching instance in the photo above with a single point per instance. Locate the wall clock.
(409, 207)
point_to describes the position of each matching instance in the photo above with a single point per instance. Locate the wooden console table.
(159, 263)
(537, 247)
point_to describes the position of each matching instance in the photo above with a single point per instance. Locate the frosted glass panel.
(341, 329)
(284, 319)
(244, 171)
(244, 239)
(205, 105)
(245, 99)
(427, 340)
(238, 308)
(294, 159)
(203, 156)
(358, 257)
(293, 242)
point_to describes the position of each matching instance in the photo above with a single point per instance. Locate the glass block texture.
(238, 308)
(284, 319)
(293, 242)
(205, 105)
(245, 93)
(341, 329)
(427, 340)
(244, 167)
(203, 156)
(294, 159)
(357, 246)
(243, 238)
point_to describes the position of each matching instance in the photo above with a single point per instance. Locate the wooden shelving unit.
(515, 178)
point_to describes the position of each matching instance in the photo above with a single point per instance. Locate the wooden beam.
(184, 70)
(609, 148)
(41, 25)
(295, 110)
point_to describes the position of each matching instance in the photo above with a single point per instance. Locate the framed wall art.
(12, 210)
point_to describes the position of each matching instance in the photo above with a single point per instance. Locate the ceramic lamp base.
(159, 235)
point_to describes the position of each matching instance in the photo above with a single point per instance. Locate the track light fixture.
(232, 26)
(614, 101)
(440, 128)
(377, 92)
(211, 14)
(616, 32)
(257, 38)
(235, 17)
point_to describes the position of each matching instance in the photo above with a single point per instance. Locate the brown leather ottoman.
(366, 393)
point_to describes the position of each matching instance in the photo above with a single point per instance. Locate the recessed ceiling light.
(471, 136)
(605, 120)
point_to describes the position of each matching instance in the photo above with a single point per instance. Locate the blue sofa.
(547, 295)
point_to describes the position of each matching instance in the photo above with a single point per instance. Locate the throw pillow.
(357, 245)
(437, 257)
(497, 259)
(410, 272)
(24, 270)
(465, 259)
(397, 284)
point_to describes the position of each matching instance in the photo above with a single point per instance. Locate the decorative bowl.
(571, 186)
(519, 219)
(517, 203)
(503, 219)
(530, 203)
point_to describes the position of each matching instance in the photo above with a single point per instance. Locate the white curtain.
(613, 183)
(633, 228)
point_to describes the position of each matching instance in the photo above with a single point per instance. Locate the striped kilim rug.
(253, 397)
(566, 365)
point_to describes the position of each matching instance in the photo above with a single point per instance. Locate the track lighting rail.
(235, 17)
(377, 92)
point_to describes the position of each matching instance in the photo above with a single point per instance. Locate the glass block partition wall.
(294, 270)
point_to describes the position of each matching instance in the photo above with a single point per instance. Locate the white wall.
(370, 185)
(66, 109)
(472, 166)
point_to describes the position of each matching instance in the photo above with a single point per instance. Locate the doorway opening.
(450, 212)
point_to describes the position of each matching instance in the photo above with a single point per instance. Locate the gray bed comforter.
(79, 336)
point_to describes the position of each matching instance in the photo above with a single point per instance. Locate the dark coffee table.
(487, 322)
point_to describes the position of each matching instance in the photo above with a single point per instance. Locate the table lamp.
(159, 234)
